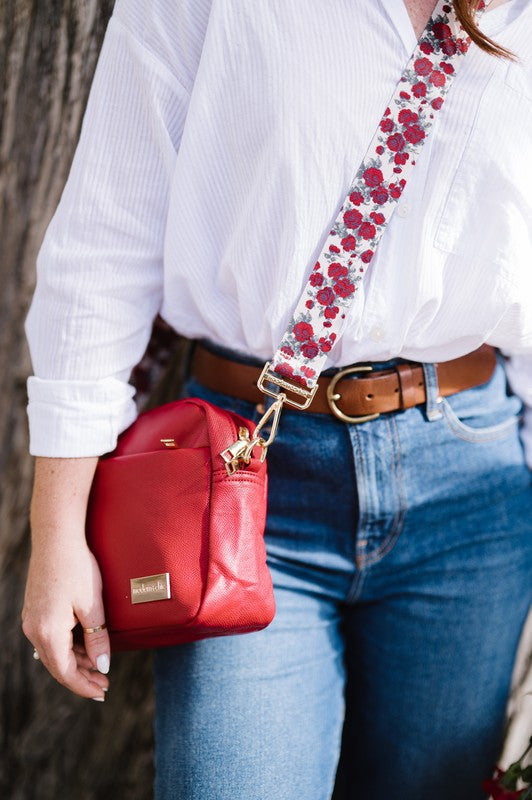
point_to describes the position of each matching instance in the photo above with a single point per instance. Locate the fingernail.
(99, 699)
(102, 662)
(105, 688)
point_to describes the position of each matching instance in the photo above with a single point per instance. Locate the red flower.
(344, 287)
(310, 304)
(447, 68)
(419, 89)
(336, 270)
(377, 218)
(414, 134)
(356, 198)
(367, 230)
(423, 66)
(303, 331)
(310, 349)
(498, 792)
(426, 48)
(349, 242)
(395, 191)
(316, 279)
(330, 313)
(308, 372)
(366, 256)
(437, 78)
(287, 351)
(325, 347)
(284, 369)
(379, 150)
(317, 265)
(449, 47)
(333, 248)
(401, 158)
(380, 195)
(326, 297)
(404, 95)
(352, 218)
(437, 103)
(441, 31)
(407, 117)
(373, 176)
(396, 142)
(386, 125)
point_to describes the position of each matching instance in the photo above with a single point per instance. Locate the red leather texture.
(155, 510)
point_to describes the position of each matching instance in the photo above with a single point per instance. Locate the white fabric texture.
(219, 141)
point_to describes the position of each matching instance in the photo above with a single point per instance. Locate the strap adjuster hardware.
(269, 376)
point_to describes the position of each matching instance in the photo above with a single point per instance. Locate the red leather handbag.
(176, 513)
(178, 530)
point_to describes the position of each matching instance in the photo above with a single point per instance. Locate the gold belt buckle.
(333, 397)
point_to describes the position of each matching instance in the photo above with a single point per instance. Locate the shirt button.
(403, 210)
(377, 333)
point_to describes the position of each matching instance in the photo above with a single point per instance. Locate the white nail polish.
(102, 662)
(99, 699)
(105, 688)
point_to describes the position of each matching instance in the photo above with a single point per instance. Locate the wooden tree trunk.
(54, 744)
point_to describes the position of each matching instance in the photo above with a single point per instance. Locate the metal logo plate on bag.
(150, 587)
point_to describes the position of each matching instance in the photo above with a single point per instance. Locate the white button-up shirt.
(219, 141)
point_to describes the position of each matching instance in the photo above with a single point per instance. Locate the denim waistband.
(243, 358)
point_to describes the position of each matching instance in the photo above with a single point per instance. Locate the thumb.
(96, 640)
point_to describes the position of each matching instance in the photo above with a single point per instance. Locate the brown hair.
(465, 11)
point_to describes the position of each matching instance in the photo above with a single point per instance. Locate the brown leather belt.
(353, 394)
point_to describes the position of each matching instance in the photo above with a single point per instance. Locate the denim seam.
(398, 520)
(355, 588)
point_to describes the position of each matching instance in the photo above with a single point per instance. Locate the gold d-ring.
(333, 396)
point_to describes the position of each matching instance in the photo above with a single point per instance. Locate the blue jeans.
(401, 555)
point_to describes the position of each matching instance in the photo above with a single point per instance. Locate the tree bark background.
(54, 744)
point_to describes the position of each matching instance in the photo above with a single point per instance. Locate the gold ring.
(97, 629)
(36, 655)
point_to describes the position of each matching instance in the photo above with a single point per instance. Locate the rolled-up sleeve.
(100, 267)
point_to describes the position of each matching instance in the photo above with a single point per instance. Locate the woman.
(218, 140)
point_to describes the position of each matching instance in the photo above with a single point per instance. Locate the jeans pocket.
(482, 427)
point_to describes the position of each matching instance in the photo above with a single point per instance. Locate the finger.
(96, 639)
(59, 659)
(99, 681)
(84, 663)
(82, 660)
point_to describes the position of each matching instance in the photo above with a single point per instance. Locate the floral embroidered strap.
(321, 312)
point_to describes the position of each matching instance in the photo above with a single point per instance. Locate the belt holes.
(396, 390)
(369, 397)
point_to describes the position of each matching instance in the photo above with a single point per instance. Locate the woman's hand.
(64, 584)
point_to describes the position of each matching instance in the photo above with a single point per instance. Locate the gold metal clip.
(268, 375)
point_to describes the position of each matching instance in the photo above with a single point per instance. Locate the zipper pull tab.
(235, 455)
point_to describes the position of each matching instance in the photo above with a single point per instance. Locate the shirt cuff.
(74, 419)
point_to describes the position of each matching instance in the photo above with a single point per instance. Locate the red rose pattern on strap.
(320, 315)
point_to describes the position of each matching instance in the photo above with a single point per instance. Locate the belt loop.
(433, 400)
